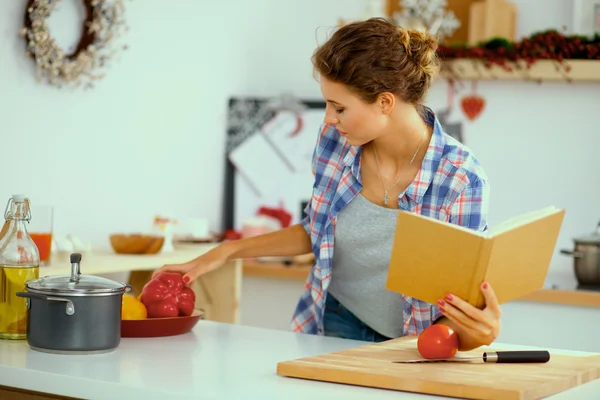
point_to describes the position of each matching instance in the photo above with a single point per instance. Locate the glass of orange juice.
(40, 229)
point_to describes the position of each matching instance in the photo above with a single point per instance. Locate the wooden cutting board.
(371, 366)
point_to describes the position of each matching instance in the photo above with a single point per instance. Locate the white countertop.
(214, 361)
(107, 261)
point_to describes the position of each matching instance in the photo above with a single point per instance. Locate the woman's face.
(356, 120)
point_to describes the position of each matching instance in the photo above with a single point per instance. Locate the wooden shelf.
(545, 70)
(300, 272)
(565, 297)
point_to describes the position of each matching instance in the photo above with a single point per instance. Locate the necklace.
(386, 196)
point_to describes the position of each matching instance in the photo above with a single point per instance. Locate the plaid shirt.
(450, 186)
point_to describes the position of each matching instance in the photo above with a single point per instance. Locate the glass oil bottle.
(19, 262)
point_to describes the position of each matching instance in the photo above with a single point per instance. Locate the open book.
(431, 258)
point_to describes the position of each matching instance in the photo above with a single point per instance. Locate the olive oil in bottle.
(19, 262)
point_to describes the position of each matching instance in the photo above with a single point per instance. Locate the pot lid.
(85, 284)
(593, 238)
(75, 283)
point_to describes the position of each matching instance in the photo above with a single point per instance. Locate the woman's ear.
(387, 101)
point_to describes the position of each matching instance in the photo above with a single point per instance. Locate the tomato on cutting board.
(438, 341)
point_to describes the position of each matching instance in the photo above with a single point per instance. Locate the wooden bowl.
(136, 243)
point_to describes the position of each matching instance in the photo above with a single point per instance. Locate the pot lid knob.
(75, 270)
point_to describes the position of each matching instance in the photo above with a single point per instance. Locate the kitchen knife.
(504, 357)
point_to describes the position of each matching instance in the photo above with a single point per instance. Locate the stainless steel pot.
(74, 314)
(586, 258)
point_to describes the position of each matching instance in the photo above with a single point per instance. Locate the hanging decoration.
(427, 15)
(473, 104)
(454, 129)
(101, 26)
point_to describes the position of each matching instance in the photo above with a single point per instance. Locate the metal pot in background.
(586, 258)
(74, 314)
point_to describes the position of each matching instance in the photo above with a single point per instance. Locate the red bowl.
(155, 327)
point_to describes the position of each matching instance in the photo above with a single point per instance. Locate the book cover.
(431, 258)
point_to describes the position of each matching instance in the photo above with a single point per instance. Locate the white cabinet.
(270, 303)
(550, 325)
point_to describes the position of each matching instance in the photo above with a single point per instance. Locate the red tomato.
(438, 341)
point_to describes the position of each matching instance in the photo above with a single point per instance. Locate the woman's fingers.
(491, 301)
(482, 325)
(457, 316)
(192, 269)
(194, 273)
(480, 331)
(465, 307)
(181, 268)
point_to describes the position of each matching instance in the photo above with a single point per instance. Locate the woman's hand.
(475, 327)
(192, 269)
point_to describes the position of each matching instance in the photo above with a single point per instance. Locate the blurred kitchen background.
(163, 134)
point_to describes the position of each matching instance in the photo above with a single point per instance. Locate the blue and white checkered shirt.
(450, 186)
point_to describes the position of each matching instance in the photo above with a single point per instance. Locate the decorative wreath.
(100, 26)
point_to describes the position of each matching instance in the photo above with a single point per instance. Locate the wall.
(150, 137)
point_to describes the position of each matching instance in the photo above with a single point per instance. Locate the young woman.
(379, 150)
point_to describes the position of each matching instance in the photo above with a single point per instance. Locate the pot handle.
(69, 309)
(574, 254)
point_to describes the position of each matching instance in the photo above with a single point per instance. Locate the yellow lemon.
(132, 308)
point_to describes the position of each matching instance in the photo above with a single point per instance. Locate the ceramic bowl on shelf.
(136, 243)
(157, 327)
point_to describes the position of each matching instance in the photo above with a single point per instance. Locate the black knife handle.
(517, 357)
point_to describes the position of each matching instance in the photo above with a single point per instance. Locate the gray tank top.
(364, 235)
